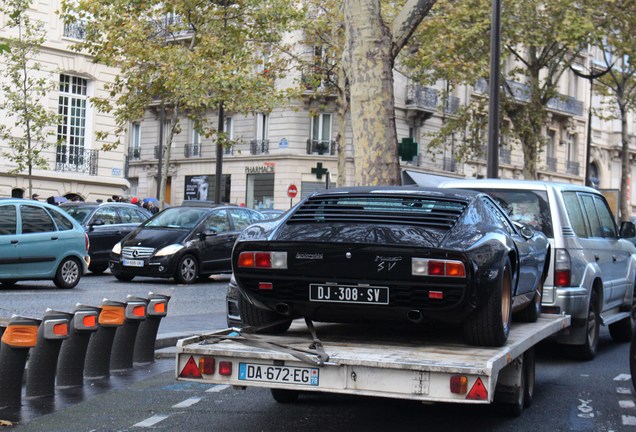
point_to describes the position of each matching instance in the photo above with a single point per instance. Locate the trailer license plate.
(278, 374)
(348, 294)
(133, 263)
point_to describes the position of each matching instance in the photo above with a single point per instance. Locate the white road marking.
(623, 377)
(585, 409)
(151, 421)
(623, 390)
(629, 420)
(626, 403)
(217, 388)
(188, 402)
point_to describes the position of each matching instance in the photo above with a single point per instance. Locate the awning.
(410, 177)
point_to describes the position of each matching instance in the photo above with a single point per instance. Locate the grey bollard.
(147, 333)
(40, 376)
(70, 364)
(97, 363)
(124, 343)
(18, 338)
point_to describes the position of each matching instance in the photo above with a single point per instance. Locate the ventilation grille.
(567, 231)
(381, 209)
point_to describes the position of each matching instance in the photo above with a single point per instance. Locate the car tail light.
(263, 260)
(562, 268)
(430, 267)
(225, 368)
(88, 243)
(459, 384)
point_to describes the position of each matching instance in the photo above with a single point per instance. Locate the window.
(108, 215)
(71, 131)
(321, 127)
(262, 126)
(7, 220)
(573, 208)
(549, 147)
(608, 226)
(196, 143)
(217, 222)
(62, 222)
(35, 220)
(131, 215)
(240, 218)
(135, 138)
(592, 217)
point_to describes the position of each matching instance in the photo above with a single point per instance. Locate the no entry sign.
(292, 191)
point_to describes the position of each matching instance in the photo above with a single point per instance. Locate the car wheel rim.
(506, 293)
(591, 325)
(188, 269)
(69, 272)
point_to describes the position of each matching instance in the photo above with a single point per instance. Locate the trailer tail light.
(478, 391)
(263, 260)
(206, 365)
(444, 268)
(190, 370)
(225, 368)
(562, 268)
(459, 384)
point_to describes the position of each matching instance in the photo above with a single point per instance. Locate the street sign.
(292, 191)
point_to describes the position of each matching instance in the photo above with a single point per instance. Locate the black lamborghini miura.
(392, 253)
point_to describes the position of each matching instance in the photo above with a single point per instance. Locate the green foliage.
(29, 123)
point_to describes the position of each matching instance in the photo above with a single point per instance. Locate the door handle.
(54, 238)
(596, 257)
(14, 242)
(614, 258)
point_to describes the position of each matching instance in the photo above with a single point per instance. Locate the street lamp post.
(493, 107)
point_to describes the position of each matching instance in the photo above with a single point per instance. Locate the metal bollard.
(124, 343)
(40, 376)
(70, 364)
(18, 338)
(97, 363)
(147, 334)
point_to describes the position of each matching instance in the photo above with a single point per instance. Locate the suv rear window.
(525, 206)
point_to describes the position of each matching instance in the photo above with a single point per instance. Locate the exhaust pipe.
(414, 316)
(283, 309)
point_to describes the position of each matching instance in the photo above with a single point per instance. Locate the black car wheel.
(124, 278)
(68, 274)
(187, 271)
(256, 317)
(490, 325)
(587, 351)
(9, 282)
(98, 269)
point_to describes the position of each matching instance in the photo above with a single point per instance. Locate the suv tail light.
(88, 243)
(562, 268)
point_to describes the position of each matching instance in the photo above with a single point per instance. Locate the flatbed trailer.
(429, 366)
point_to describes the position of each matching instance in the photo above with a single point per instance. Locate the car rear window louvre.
(381, 209)
(567, 231)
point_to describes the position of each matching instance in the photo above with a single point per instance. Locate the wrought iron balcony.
(551, 163)
(76, 159)
(192, 150)
(75, 30)
(259, 147)
(321, 147)
(422, 97)
(134, 153)
(572, 167)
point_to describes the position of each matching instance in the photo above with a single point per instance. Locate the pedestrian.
(35, 197)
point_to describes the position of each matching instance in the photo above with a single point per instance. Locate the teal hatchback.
(38, 241)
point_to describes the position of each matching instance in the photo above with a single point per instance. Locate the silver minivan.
(593, 267)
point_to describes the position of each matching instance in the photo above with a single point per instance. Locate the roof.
(432, 192)
(515, 184)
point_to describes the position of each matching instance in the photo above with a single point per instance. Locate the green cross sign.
(319, 170)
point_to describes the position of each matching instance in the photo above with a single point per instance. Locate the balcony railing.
(134, 153)
(572, 167)
(422, 97)
(75, 30)
(192, 150)
(76, 159)
(259, 147)
(521, 93)
(321, 147)
(551, 163)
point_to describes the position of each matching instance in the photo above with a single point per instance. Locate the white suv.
(593, 268)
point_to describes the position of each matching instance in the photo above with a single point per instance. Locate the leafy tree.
(372, 43)
(187, 58)
(619, 47)
(540, 41)
(30, 122)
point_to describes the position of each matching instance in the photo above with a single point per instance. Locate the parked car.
(593, 270)
(39, 241)
(396, 254)
(272, 213)
(106, 224)
(184, 243)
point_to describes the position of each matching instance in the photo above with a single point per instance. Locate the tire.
(529, 374)
(623, 330)
(490, 325)
(98, 269)
(9, 282)
(187, 271)
(285, 396)
(256, 317)
(124, 278)
(68, 273)
(532, 312)
(588, 350)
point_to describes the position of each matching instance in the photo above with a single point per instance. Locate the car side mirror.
(207, 233)
(628, 230)
(97, 222)
(526, 231)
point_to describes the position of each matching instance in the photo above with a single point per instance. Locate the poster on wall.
(201, 187)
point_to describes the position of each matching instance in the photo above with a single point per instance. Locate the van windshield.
(525, 206)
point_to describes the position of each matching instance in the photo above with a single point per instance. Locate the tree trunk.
(343, 107)
(625, 169)
(166, 147)
(368, 58)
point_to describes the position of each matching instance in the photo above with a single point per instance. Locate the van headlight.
(117, 249)
(169, 250)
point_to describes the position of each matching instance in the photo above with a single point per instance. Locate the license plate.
(278, 374)
(132, 263)
(348, 294)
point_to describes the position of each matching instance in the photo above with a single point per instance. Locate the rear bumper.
(574, 301)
